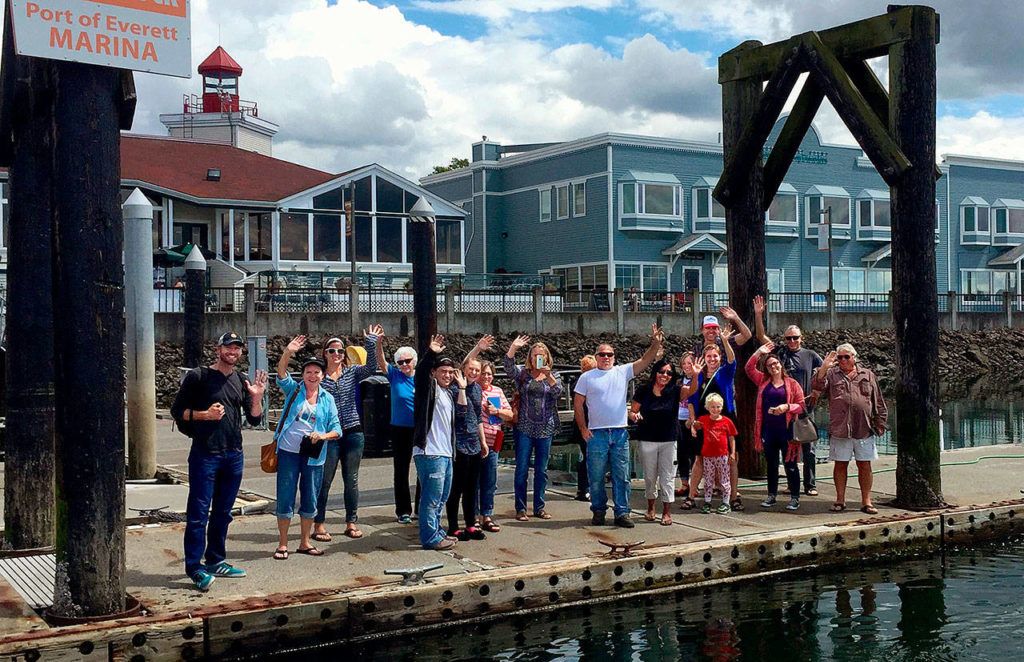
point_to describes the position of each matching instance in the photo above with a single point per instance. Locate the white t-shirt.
(305, 421)
(605, 391)
(439, 437)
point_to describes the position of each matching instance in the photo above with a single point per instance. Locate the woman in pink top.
(779, 400)
(493, 435)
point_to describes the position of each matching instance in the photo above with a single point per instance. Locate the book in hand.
(495, 401)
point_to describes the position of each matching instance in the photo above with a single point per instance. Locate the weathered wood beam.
(862, 39)
(755, 133)
(863, 76)
(788, 142)
(854, 110)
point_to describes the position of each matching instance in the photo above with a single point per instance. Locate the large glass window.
(655, 278)
(364, 195)
(449, 242)
(775, 281)
(840, 210)
(158, 228)
(660, 199)
(389, 196)
(239, 223)
(327, 230)
(627, 276)
(562, 201)
(225, 234)
(294, 236)
(706, 203)
(783, 209)
(389, 238)
(545, 205)
(579, 199)
(260, 234)
(874, 213)
(363, 239)
(1017, 221)
(629, 198)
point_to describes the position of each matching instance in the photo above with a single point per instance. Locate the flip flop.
(837, 507)
(687, 504)
(542, 514)
(490, 526)
(309, 551)
(869, 510)
(666, 520)
(737, 505)
(322, 537)
(353, 533)
(521, 516)
(281, 554)
(649, 517)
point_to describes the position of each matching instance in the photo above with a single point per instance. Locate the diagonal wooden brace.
(788, 142)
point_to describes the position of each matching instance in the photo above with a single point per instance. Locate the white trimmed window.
(705, 206)
(545, 205)
(579, 199)
(986, 284)
(1009, 216)
(783, 207)
(562, 201)
(975, 227)
(644, 277)
(650, 199)
(873, 210)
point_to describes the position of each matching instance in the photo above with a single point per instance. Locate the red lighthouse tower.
(220, 75)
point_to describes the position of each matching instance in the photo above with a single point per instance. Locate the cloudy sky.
(410, 84)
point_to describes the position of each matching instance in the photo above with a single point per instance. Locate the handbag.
(268, 451)
(804, 429)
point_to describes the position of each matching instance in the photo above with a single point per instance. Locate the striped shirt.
(344, 387)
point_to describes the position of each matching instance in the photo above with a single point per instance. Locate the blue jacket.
(726, 378)
(326, 414)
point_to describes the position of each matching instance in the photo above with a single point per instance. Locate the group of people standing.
(449, 419)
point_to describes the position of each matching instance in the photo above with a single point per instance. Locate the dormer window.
(975, 226)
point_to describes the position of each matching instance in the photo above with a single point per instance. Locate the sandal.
(837, 507)
(649, 516)
(309, 551)
(322, 537)
(666, 520)
(521, 516)
(281, 554)
(353, 533)
(869, 510)
(687, 504)
(542, 514)
(737, 505)
(811, 492)
(490, 526)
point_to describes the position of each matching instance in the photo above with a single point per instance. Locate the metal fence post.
(695, 310)
(353, 307)
(249, 298)
(538, 309)
(954, 310)
(1008, 307)
(831, 295)
(620, 320)
(449, 307)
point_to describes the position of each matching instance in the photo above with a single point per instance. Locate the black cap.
(444, 362)
(231, 338)
(315, 361)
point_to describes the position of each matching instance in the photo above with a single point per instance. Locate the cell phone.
(540, 361)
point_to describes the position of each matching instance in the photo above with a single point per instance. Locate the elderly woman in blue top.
(341, 381)
(309, 415)
(401, 377)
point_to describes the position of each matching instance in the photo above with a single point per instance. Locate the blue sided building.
(615, 210)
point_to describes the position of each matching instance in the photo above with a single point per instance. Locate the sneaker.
(624, 522)
(723, 508)
(405, 519)
(443, 544)
(203, 580)
(597, 519)
(583, 496)
(225, 569)
(769, 501)
(794, 503)
(705, 509)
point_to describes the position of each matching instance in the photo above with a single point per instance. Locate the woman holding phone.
(496, 411)
(538, 390)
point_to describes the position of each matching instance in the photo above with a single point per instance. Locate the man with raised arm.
(603, 392)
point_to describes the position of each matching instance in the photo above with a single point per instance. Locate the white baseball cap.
(710, 320)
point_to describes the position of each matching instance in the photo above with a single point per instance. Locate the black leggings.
(465, 481)
(401, 442)
(687, 450)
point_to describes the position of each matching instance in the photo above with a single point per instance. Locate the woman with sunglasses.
(341, 381)
(857, 413)
(538, 389)
(403, 392)
(655, 411)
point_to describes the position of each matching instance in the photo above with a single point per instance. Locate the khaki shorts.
(845, 450)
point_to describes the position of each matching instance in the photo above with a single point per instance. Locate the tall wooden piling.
(424, 272)
(915, 292)
(195, 307)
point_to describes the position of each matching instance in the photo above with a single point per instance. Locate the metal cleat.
(414, 576)
(621, 549)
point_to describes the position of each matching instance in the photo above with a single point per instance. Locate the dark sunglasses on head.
(792, 337)
(404, 361)
(334, 350)
(843, 357)
(606, 355)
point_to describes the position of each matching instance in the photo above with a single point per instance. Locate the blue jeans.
(488, 484)
(435, 476)
(213, 482)
(348, 451)
(294, 471)
(540, 448)
(609, 448)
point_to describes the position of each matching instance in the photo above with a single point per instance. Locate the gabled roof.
(700, 242)
(219, 60)
(1009, 258)
(651, 177)
(878, 255)
(172, 165)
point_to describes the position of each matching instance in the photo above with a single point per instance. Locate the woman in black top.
(655, 410)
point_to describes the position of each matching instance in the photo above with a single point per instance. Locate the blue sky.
(411, 83)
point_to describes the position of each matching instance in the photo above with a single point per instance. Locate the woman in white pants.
(655, 409)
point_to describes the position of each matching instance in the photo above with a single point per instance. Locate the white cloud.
(501, 10)
(982, 135)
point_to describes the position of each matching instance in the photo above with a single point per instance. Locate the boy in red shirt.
(719, 450)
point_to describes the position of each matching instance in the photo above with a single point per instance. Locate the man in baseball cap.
(711, 331)
(231, 338)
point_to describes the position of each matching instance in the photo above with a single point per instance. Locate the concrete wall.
(169, 326)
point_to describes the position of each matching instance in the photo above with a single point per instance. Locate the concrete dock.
(528, 565)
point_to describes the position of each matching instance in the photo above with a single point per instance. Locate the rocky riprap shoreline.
(963, 356)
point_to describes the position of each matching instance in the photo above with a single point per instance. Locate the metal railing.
(301, 300)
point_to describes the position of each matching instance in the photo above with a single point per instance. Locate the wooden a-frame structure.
(896, 129)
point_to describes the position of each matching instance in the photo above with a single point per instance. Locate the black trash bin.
(375, 398)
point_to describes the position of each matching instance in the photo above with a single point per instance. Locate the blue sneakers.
(203, 580)
(225, 569)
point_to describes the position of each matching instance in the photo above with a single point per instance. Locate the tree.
(455, 164)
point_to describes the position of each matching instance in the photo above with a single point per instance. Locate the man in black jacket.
(434, 438)
(209, 408)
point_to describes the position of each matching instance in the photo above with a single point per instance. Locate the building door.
(196, 233)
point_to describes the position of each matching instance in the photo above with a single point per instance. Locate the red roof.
(180, 165)
(220, 61)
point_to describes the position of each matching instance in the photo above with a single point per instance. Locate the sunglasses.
(606, 355)
(334, 350)
(665, 372)
(404, 361)
(843, 357)
(792, 337)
